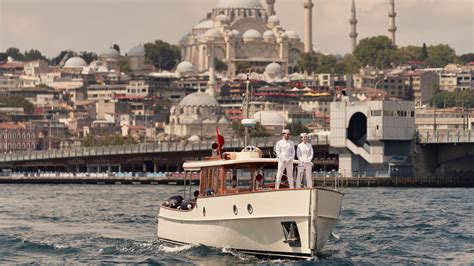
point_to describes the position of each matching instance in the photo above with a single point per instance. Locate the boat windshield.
(237, 178)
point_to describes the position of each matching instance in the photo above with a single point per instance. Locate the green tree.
(124, 64)
(16, 101)
(3, 57)
(258, 131)
(309, 62)
(424, 52)
(33, 55)
(61, 56)
(409, 53)
(297, 128)
(465, 58)
(112, 140)
(116, 47)
(220, 65)
(327, 64)
(242, 67)
(349, 64)
(440, 55)
(88, 56)
(376, 51)
(14, 53)
(162, 54)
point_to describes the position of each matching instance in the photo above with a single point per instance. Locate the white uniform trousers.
(289, 173)
(305, 168)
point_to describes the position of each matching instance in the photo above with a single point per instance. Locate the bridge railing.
(445, 136)
(141, 148)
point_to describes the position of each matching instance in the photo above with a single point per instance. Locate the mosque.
(244, 32)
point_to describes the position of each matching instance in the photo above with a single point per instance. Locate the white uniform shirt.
(304, 152)
(285, 150)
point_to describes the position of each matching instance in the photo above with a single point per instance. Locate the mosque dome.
(194, 138)
(206, 24)
(273, 69)
(239, 4)
(223, 19)
(102, 69)
(110, 53)
(267, 35)
(213, 34)
(198, 99)
(236, 33)
(75, 62)
(274, 20)
(269, 118)
(292, 35)
(138, 50)
(252, 35)
(185, 68)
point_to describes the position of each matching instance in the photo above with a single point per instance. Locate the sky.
(94, 25)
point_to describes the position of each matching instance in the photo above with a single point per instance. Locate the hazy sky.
(93, 25)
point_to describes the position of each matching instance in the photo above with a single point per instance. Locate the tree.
(465, 58)
(33, 55)
(327, 64)
(16, 101)
(112, 140)
(242, 67)
(297, 128)
(424, 52)
(3, 57)
(258, 131)
(14, 53)
(348, 65)
(124, 64)
(409, 53)
(376, 51)
(116, 47)
(162, 54)
(88, 56)
(60, 58)
(440, 55)
(220, 65)
(309, 62)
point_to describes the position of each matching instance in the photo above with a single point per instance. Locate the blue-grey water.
(117, 224)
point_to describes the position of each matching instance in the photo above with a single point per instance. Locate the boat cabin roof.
(197, 165)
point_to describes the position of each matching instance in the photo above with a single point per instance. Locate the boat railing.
(329, 179)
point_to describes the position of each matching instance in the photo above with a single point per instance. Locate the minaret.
(271, 7)
(391, 21)
(353, 22)
(308, 26)
(212, 75)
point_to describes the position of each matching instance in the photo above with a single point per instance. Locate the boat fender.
(186, 205)
(174, 202)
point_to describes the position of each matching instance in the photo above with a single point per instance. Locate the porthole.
(236, 211)
(249, 208)
(203, 211)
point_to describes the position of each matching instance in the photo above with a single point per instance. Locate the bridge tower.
(373, 138)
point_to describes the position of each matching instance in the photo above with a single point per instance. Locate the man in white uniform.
(285, 151)
(304, 152)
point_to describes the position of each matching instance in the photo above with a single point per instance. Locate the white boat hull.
(257, 223)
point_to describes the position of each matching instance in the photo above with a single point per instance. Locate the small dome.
(292, 35)
(245, 4)
(194, 138)
(198, 99)
(75, 62)
(185, 68)
(236, 33)
(138, 50)
(223, 19)
(206, 24)
(110, 53)
(273, 69)
(269, 118)
(213, 34)
(102, 69)
(267, 35)
(274, 20)
(252, 35)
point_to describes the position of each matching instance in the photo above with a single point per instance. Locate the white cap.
(285, 131)
(303, 135)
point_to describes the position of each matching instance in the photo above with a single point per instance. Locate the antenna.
(246, 121)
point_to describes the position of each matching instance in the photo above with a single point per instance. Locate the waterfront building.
(17, 137)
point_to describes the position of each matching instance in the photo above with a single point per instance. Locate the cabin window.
(210, 181)
(239, 179)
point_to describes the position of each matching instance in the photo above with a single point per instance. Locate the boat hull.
(277, 223)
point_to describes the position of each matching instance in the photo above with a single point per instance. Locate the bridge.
(150, 157)
(445, 136)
